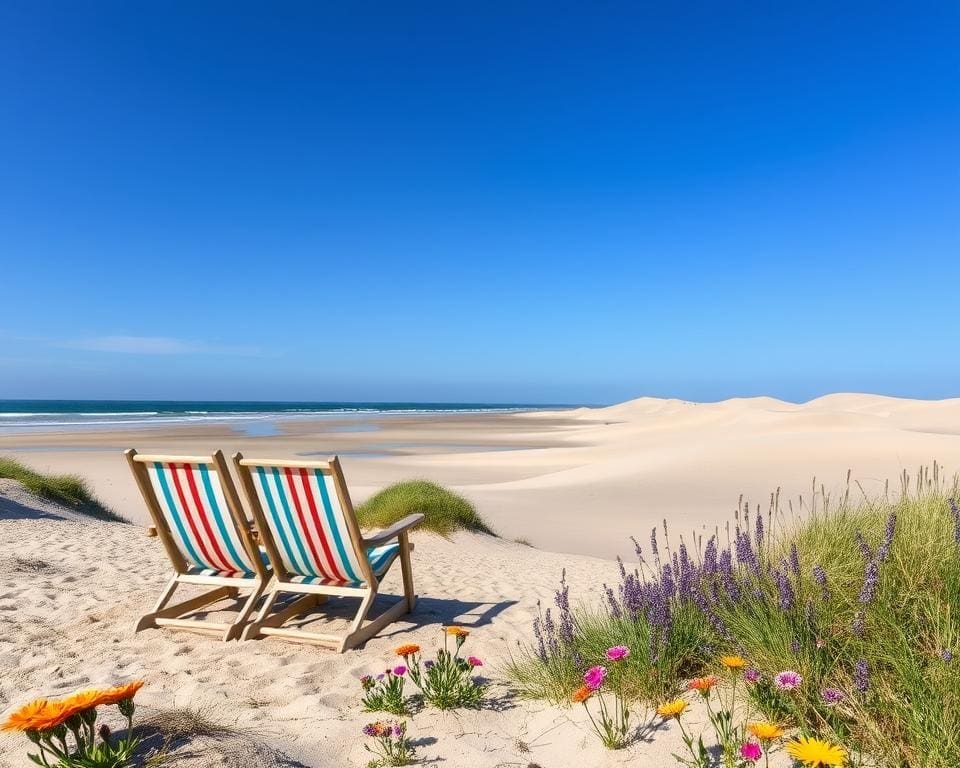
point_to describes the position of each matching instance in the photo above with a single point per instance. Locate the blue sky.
(485, 202)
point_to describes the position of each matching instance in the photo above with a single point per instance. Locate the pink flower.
(400, 671)
(594, 677)
(788, 680)
(617, 653)
(473, 661)
(751, 751)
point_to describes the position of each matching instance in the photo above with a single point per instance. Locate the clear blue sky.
(478, 201)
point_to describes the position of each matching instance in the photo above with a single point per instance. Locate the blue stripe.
(334, 528)
(288, 551)
(240, 562)
(377, 561)
(172, 509)
(306, 570)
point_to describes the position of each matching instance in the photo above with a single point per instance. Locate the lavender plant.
(861, 600)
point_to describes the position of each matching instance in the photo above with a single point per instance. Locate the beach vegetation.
(836, 623)
(389, 743)
(444, 511)
(65, 730)
(70, 490)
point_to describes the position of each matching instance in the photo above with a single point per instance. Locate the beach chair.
(197, 515)
(314, 543)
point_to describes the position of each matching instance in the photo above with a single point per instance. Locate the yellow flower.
(814, 753)
(581, 694)
(673, 708)
(457, 631)
(408, 649)
(765, 731)
(733, 662)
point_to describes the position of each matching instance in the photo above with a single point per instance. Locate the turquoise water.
(258, 417)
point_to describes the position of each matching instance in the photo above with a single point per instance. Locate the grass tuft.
(70, 490)
(444, 511)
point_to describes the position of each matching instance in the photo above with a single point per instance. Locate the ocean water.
(36, 415)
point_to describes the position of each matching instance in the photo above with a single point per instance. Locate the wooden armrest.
(394, 530)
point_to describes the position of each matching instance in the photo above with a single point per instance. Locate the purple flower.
(947, 655)
(759, 531)
(884, 551)
(380, 676)
(784, 590)
(752, 675)
(617, 653)
(400, 670)
(794, 559)
(398, 730)
(859, 624)
(428, 664)
(864, 548)
(787, 680)
(861, 675)
(832, 696)
(750, 750)
(473, 661)
(870, 578)
(820, 576)
(371, 729)
(594, 677)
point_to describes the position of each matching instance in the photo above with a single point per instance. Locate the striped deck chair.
(312, 538)
(197, 515)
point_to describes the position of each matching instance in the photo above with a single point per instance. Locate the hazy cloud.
(154, 345)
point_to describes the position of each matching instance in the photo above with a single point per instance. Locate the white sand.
(69, 599)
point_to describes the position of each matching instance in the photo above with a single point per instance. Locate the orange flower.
(30, 717)
(39, 715)
(581, 694)
(120, 693)
(458, 631)
(408, 650)
(81, 701)
(703, 684)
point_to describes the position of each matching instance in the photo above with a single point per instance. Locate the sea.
(67, 415)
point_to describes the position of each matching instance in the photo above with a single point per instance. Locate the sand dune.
(537, 475)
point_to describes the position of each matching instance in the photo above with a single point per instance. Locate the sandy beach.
(536, 476)
(576, 484)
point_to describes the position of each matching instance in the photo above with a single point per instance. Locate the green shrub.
(862, 599)
(444, 511)
(70, 490)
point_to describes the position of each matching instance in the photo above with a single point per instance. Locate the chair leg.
(407, 572)
(150, 619)
(365, 604)
(238, 625)
(253, 628)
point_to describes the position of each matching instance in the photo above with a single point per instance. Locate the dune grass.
(862, 597)
(444, 511)
(70, 490)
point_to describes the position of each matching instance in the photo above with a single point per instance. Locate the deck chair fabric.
(315, 546)
(197, 516)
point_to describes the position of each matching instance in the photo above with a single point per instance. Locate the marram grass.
(861, 598)
(444, 511)
(70, 490)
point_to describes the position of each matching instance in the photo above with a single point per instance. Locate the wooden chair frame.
(165, 615)
(269, 622)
